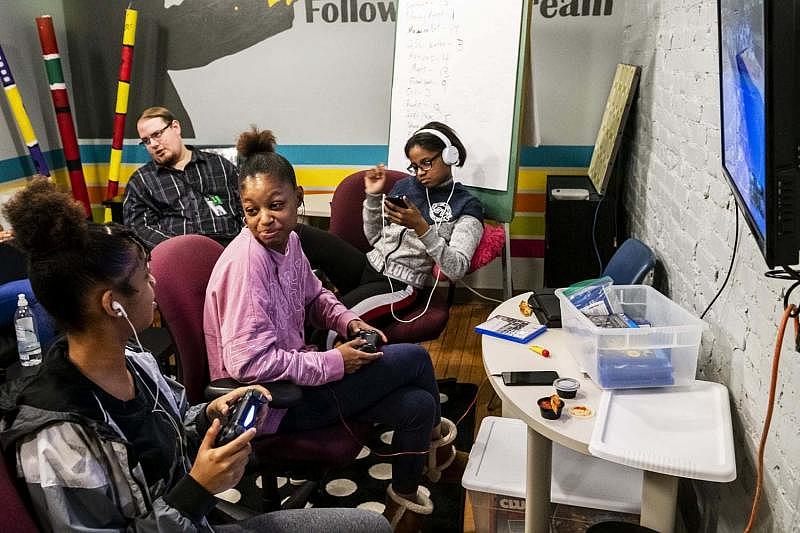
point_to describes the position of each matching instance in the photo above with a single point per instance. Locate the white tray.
(679, 431)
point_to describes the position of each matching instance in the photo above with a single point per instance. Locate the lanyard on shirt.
(213, 201)
(215, 204)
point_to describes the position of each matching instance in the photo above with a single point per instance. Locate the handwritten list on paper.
(456, 62)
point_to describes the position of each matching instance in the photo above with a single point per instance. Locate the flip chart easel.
(465, 63)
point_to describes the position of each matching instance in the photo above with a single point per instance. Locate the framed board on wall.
(462, 62)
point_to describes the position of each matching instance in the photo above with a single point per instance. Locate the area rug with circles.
(363, 483)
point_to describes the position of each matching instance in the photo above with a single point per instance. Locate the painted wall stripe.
(567, 159)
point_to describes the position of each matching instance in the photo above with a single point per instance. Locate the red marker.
(544, 352)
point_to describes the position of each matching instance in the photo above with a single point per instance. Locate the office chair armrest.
(284, 393)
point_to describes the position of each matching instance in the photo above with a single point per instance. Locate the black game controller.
(372, 338)
(242, 417)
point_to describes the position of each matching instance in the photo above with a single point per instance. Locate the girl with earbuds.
(440, 223)
(101, 438)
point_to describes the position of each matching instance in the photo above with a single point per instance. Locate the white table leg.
(537, 491)
(659, 498)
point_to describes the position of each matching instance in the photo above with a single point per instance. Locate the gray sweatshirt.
(456, 227)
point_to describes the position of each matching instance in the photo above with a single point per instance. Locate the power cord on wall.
(786, 273)
(730, 267)
(789, 311)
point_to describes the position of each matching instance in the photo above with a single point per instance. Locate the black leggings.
(348, 269)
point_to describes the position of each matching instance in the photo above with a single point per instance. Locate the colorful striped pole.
(66, 128)
(21, 116)
(121, 108)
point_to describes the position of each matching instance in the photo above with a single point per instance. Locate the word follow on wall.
(350, 11)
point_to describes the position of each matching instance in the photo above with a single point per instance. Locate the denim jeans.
(398, 390)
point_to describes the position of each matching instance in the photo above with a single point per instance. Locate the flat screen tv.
(759, 59)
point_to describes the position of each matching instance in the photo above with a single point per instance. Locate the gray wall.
(313, 82)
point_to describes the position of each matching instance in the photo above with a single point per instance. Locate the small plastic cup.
(567, 388)
(546, 408)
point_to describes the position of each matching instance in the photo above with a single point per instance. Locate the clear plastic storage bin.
(495, 476)
(661, 354)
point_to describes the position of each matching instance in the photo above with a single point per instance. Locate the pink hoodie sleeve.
(250, 355)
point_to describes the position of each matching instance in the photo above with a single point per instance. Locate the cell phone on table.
(399, 201)
(535, 377)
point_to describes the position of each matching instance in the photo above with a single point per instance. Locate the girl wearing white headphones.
(427, 218)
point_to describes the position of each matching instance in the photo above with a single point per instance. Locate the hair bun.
(46, 220)
(255, 142)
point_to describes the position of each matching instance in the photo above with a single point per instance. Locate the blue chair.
(632, 261)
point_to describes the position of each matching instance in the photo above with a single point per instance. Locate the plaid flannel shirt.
(163, 202)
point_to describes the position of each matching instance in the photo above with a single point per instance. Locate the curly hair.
(257, 155)
(68, 256)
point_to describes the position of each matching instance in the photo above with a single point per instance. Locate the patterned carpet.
(363, 484)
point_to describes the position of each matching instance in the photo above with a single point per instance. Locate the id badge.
(215, 204)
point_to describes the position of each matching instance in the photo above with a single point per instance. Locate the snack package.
(592, 298)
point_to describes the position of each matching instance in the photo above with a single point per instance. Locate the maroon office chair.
(182, 267)
(16, 516)
(347, 223)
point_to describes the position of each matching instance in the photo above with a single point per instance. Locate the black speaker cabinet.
(569, 252)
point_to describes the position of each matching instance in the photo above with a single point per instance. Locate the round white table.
(659, 491)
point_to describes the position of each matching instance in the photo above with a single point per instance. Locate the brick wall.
(680, 204)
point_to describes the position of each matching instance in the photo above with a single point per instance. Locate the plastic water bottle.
(30, 351)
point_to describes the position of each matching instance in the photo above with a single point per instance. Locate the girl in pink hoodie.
(260, 295)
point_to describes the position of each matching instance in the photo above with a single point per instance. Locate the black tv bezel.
(780, 244)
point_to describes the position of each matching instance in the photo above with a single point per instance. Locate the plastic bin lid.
(679, 431)
(498, 459)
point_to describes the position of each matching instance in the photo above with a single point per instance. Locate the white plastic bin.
(495, 476)
(664, 354)
(587, 481)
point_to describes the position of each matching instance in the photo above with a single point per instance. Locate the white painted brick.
(677, 198)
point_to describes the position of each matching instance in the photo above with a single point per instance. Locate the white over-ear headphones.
(116, 306)
(450, 154)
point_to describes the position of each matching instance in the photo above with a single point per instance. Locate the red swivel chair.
(16, 517)
(182, 267)
(347, 223)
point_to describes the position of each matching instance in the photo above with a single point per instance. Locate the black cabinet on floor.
(569, 251)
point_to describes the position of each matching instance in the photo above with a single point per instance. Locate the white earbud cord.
(436, 226)
(156, 407)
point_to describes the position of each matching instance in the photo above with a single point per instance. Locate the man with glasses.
(182, 190)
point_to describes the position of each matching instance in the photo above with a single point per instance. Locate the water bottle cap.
(21, 300)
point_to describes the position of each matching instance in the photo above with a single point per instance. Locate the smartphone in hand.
(399, 201)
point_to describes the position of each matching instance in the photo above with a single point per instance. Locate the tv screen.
(759, 104)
